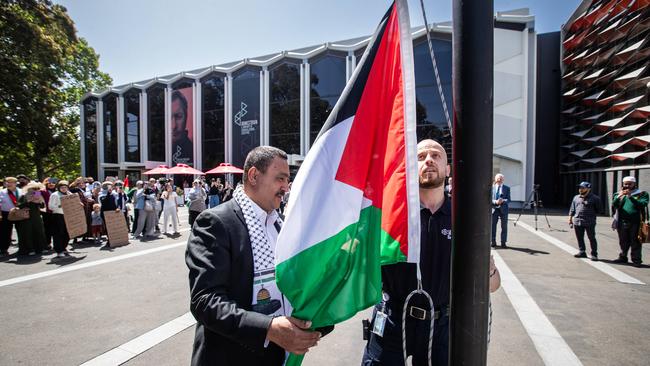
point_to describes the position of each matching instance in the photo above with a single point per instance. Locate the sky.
(138, 40)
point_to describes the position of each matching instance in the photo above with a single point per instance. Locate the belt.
(422, 314)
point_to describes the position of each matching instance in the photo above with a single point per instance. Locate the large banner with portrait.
(182, 123)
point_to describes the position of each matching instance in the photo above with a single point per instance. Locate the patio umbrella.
(160, 169)
(225, 168)
(183, 169)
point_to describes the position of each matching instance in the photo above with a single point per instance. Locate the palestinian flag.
(354, 204)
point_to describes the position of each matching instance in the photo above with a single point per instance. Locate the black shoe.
(638, 264)
(494, 245)
(503, 245)
(580, 255)
(620, 260)
(594, 258)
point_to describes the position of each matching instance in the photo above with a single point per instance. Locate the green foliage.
(45, 70)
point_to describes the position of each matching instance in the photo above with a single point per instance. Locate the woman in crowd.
(31, 233)
(61, 232)
(216, 190)
(147, 218)
(170, 209)
(50, 187)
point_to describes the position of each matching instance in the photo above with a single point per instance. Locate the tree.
(45, 70)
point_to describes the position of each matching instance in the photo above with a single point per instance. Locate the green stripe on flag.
(334, 279)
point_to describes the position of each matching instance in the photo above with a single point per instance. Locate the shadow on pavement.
(628, 264)
(65, 261)
(523, 250)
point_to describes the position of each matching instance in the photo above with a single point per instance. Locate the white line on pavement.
(603, 267)
(548, 342)
(140, 344)
(75, 267)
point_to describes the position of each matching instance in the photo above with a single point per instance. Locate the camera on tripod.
(534, 202)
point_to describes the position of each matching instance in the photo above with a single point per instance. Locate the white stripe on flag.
(319, 206)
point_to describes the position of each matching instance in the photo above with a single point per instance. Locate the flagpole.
(473, 44)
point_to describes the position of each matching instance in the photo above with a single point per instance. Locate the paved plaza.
(130, 305)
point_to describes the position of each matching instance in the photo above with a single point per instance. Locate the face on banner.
(181, 126)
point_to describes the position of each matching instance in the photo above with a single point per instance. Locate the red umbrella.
(160, 169)
(225, 168)
(183, 169)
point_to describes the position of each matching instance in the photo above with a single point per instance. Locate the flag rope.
(435, 68)
(419, 290)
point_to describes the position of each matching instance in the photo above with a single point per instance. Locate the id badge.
(379, 324)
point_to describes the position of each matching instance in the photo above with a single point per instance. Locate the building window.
(132, 126)
(327, 80)
(90, 137)
(110, 129)
(284, 124)
(182, 123)
(156, 123)
(212, 107)
(431, 121)
(245, 113)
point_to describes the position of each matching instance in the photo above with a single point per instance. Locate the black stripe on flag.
(347, 104)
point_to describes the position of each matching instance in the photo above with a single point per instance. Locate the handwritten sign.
(74, 215)
(118, 232)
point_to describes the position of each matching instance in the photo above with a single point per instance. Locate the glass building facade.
(283, 103)
(213, 107)
(284, 106)
(217, 114)
(110, 128)
(132, 126)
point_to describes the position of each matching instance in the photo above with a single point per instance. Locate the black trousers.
(192, 217)
(627, 239)
(48, 223)
(6, 229)
(387, 350)
(60, 236)
(591, 234)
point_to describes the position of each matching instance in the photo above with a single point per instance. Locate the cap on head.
(629, 179)
(11, 180)
(62, 183)
(584, 185)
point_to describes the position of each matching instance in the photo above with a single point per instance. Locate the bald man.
(398, 280)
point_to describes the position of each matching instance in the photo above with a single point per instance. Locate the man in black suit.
(239, 311)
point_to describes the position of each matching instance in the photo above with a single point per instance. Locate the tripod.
(535, 203)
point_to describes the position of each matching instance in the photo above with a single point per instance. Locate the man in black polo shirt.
(398, 280)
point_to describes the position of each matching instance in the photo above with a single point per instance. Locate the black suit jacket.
(220, 262)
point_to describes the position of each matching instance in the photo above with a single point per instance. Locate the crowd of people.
(35, 211)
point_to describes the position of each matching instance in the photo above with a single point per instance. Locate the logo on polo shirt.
(446, 232)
